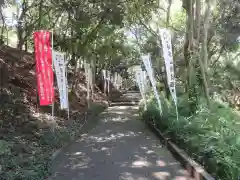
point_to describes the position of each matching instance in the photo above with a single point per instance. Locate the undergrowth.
(211, 137)
(26, 155)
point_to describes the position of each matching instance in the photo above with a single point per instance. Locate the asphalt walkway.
(120, 147)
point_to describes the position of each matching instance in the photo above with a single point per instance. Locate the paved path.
(119, 148)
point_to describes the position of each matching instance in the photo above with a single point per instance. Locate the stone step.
(133, 103)
(131, 92)
(126, 100)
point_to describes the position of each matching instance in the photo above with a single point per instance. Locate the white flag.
(60, 70)
(88, 75)
(108, 80)
(144, 81)
(104, 73)
(141, 75)
(148, 65)
(119, 81)
(115, 79)
(140, 82)
(168, 58)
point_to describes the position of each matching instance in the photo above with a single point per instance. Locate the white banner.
(115, 79)
(108, 81)
(168, 58)
(104, 73)
(141, 84)
(148, 65)
(60, 70)
(119, 81)
(88, 75)
(144, 81)
(139, 80)
(90, 78)
(141, 75)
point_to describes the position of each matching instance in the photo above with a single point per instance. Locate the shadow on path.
(119, 148)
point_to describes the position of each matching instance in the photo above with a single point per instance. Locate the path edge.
(72, 140)
(194, 169)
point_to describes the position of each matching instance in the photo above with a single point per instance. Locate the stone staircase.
(129, 98)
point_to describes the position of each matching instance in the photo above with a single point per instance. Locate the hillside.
(25, 127)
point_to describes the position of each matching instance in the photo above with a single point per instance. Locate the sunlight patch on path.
(119, 148)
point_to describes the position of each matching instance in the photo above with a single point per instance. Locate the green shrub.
(211, 137)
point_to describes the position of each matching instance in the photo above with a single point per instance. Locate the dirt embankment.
(25, 138)
(18, 84)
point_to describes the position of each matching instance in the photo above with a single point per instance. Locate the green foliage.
(88, 30)
(19, 161)
(179, 20)
(28, 156)
(5, 147)
(212, 137)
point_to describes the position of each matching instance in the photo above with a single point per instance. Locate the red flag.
(44, 71)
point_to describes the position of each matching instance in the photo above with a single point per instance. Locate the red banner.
(44, 72)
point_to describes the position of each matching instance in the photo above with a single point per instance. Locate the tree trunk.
(7, 37)
(190, 58)
(26, 46)
(198, 21)
(20, 29)
(205, 34)
(20, 38)
(168, 12)
(76, 73)
(40, 14)
(190, 25)
(204, 60)
(3, 26)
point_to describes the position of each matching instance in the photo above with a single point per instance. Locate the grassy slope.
(212, 137)
(26, 141)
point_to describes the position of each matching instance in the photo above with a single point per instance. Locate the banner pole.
(53, 128)
(108, 80)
